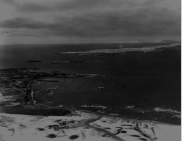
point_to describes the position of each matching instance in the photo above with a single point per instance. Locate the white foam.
(13, 104)
(130, 106)
(5, 98)
(158, 109)
(94, 106)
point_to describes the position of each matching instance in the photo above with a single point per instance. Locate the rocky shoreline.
(42, 122)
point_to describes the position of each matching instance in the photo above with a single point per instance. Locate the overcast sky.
(69, 21)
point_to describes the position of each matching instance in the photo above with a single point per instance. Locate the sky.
(88, 21)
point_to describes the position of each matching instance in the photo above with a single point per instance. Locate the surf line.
(30, 95)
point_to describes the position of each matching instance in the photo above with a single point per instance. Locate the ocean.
(132, 80)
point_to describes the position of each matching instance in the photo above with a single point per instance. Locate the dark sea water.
(131, 84)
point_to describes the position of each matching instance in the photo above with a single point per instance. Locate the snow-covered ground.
(83, 126)
(123, 50)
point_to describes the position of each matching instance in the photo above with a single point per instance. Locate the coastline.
(27, 114)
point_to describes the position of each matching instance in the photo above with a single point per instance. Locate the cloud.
(65, 5)
(29, 6)
(21, 23)
(32, 7)
(116, 23)
(93, 18)
(8, 1)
